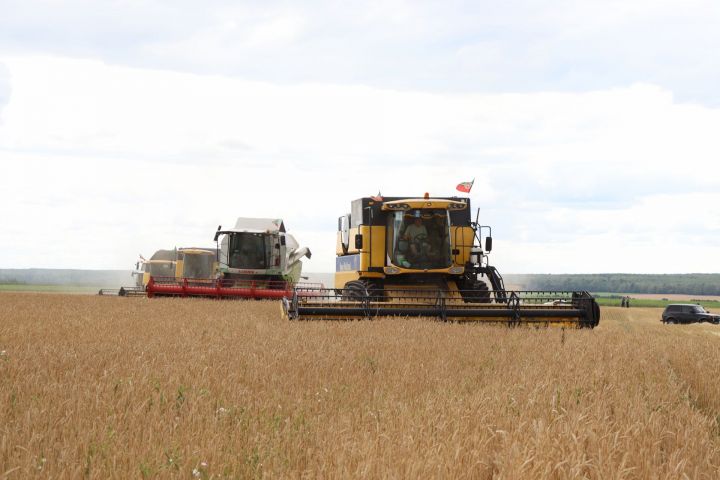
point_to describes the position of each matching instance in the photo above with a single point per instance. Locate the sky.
(591, 128)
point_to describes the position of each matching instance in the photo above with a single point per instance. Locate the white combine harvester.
(259, 249)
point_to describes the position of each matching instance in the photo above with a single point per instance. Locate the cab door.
(686, 314)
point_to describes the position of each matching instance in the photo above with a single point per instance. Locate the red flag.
(465, 186)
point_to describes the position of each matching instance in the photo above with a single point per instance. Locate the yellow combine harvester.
(422, 257)
(162, 264)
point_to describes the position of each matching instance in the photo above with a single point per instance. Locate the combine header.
(565, 309)
(421, 257)
(218, 288)
(122, 292)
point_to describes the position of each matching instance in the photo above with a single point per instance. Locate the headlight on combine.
(456, 206)
(396, 206)
(391, 270)
(456, 270)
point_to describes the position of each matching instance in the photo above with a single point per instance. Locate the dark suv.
(688, 313)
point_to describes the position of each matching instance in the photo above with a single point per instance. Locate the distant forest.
(49, 276)
(690, 283)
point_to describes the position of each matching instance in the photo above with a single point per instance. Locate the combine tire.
(355, 291)
(474, 291)
(363, 290)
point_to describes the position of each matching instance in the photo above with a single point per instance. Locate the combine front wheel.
(364, 290)
(474, 291)
(355, 291)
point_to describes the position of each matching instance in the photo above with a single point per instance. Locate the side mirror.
(358, 241)
(488, 244)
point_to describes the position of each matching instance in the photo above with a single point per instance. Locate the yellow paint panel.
(373, 252)
(401, 270)
(338, 244)
(179, 268)
(423, 203)
(461, 238)
(373, 243)
(351, 240)
(341, 278)
(371, 255)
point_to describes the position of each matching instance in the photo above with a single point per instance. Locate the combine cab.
(257, 259)
(161, 264)
(259, 249)
(421, 257)
(196, 263)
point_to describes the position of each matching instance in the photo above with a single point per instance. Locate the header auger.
(539, 308)
(422, 257)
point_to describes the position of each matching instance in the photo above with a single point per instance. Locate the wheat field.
(94, 387)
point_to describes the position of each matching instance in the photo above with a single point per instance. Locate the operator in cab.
(417, 236)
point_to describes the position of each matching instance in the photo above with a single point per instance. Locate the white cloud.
(108, 161)
(454, 45)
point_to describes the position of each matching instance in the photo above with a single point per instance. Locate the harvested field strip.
(130, 388)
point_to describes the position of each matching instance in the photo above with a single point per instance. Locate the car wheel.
(670, 321)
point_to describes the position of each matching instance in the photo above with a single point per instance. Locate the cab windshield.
(161, 269)
(198, 265)
(248, 250)
(420, 239)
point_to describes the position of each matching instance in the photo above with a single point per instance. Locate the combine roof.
(269, 225)
(212, 250)
(167, 255)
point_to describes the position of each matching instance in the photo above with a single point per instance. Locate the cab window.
(419, 239)
(248, 250)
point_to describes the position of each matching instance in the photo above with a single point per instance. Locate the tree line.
(690, 283)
